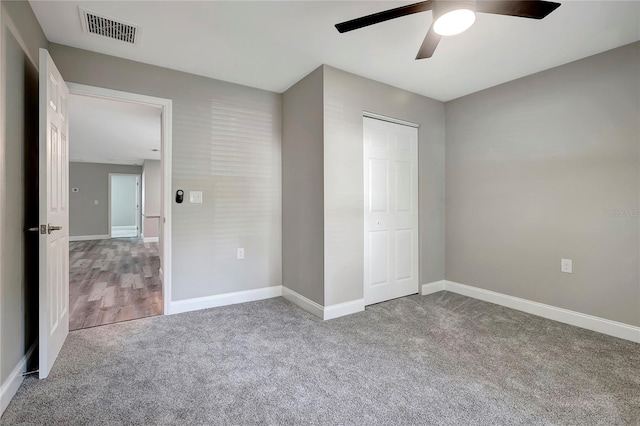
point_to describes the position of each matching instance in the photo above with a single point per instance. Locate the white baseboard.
(305, 303)
(433, 287)
(342, 309)
(323, 312)
(150, 239)
(9, 388)
(188, 305)
(89, 237)
(589, 322)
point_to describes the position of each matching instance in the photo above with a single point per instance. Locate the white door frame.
(165, 165)
(138, 201)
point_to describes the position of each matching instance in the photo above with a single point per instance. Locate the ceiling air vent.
(109, 27)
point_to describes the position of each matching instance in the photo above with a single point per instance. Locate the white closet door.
(391, 210)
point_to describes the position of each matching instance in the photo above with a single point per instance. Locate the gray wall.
(151, 197)
(302, 187)
(346, 96)
(124, 200)
(18, 208)
(226, 143)
(92, 180)
(544, 168)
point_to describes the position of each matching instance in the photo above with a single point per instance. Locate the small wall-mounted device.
(179, 196)
(195, 197)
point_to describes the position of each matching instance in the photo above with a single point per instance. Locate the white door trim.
(138, 200)
(2, 169)
(165, 164)
(381, 117)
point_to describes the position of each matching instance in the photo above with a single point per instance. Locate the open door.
(53, 213)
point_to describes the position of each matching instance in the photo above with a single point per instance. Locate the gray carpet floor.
(442, 359)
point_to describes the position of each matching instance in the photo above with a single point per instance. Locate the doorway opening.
(119, 216)
(124, 205)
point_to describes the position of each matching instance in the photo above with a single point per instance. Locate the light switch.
(95, 202)
(195, 197)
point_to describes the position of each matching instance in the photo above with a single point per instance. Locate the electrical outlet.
(566, 265)
(240, 253)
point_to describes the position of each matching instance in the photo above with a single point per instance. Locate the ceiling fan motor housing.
(440, 7)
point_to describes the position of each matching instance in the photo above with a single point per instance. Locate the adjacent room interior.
(343, 212)
(114, 210)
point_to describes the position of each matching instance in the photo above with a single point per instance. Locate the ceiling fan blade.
(524, 9)
(429, 44)
(376, 18)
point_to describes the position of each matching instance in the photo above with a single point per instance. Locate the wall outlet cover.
(566, 266)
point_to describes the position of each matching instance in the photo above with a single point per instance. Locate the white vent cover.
(93, 23)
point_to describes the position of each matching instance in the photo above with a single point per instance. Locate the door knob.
(51, 228)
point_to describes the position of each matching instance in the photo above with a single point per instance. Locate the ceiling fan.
(451, 17)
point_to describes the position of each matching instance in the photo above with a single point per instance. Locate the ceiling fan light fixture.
(451, 17)
(454, 22)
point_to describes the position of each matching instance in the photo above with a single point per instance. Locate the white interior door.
(391, 210)
(54, 214)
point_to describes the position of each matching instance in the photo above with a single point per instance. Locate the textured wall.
(544, 168)
(346, 96)
(226, 143)
(302, 187)
(92, 180)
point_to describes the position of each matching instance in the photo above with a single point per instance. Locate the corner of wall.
(303, 187)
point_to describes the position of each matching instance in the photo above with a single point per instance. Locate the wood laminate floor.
(113, 280)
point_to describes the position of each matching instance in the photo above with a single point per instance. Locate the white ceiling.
(108, 131)
(272, 44)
